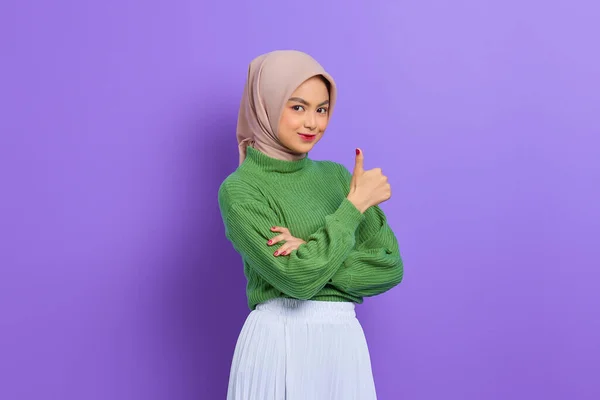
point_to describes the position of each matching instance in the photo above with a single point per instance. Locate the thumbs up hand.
(367, 188)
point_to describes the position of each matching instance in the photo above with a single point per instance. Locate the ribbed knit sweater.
(347, 256)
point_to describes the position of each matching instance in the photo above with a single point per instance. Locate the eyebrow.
(306, 103)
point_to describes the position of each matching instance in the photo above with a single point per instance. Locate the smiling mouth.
(307, 137)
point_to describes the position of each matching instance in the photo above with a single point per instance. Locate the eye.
(322, 110)
(297, 108)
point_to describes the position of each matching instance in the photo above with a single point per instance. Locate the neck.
(268, 163)
(276, 150)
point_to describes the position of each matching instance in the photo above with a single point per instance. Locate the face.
(305, 116)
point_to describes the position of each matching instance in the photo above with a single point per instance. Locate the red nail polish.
(269, 242)
(275, 254)
(357, 151)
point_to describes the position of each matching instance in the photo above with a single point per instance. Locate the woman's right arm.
(305, 271)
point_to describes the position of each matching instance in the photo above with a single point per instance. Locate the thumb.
(358, 165)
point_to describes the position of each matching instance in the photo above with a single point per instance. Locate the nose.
(310, 122)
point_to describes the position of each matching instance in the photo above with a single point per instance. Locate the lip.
(307, 137)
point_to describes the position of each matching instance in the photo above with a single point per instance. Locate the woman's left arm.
(375, 265)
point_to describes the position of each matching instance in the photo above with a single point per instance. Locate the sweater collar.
(269, 164)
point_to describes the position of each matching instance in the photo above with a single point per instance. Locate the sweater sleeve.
(375, 265)
(305, 271)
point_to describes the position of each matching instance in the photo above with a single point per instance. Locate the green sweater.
(347, 255)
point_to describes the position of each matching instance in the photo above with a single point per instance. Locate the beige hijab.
(272, 78)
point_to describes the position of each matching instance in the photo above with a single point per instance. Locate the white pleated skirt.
(301, 350)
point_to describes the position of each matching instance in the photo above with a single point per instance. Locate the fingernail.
(272, 227)
(275, 254)
(269, 242)
(357, 151)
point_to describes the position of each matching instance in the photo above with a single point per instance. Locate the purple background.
(118, 125)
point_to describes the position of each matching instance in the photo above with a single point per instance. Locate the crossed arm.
(373, 266)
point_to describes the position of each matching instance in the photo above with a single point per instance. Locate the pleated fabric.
(301, 350)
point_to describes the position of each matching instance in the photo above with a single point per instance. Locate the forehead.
(312, 88)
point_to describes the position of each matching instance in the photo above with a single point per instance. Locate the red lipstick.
(307, 137)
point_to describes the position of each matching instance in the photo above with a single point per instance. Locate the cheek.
(289, 122)
(323, 122)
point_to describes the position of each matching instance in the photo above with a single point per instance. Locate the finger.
(291, 245)
(286, 250)
(280, 229)
(277, 239)
(282, 251)
(359, 162)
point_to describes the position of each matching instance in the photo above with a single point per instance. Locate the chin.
(304, 147)
(300, 148)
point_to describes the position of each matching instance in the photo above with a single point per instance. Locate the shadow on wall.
(203, 290)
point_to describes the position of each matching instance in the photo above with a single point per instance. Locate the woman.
(312, 238)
